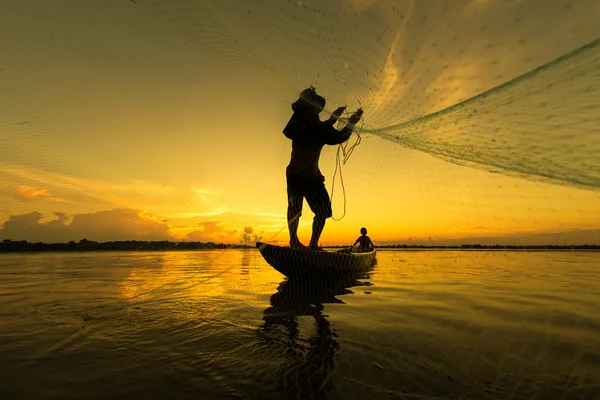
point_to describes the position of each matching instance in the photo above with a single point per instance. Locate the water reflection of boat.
(308, 362)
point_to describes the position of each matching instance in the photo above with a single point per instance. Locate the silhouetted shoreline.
(10, 246)
(22, 246)
(487, 247)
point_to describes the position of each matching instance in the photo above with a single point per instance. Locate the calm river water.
(225, 325)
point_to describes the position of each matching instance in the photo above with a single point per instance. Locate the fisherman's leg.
(293, 221)
(320, 204)
(294, 212)
(317, 229)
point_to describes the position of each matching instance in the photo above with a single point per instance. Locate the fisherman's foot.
(297, 245)
(315, 248)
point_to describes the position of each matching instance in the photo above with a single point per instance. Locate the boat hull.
(298, 263)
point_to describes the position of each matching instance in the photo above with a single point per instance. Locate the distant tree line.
(489, 247)
(11, 246)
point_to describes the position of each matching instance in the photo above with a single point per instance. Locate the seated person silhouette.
(365, 243)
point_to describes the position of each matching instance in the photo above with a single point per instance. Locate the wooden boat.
(304, 263)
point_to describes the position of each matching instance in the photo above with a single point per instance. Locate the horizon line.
(174, 244)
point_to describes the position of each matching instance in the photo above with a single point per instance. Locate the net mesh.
(469, 82)
(474, 83)
(483, 112)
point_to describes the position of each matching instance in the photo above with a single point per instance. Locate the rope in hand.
(338, 165)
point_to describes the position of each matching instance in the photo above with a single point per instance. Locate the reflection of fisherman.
(308, 370)
(304, 179)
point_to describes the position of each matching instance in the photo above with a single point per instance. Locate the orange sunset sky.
(155, 120)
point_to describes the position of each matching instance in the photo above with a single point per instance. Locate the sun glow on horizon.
(120, 125)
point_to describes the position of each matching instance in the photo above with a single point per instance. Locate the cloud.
(40, 184)
(391, 73)
(564, 238)
(28, 193)
(248, 238)
(480, 229)
(217, 210)
(116, 225)
(108, 225)
(212, 231)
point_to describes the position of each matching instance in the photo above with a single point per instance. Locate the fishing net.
(479, 119)
(159, 120)
(470, 82)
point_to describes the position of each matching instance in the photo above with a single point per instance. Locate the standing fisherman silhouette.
(304, 179)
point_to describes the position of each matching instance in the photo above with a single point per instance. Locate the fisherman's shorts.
(315, 194)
